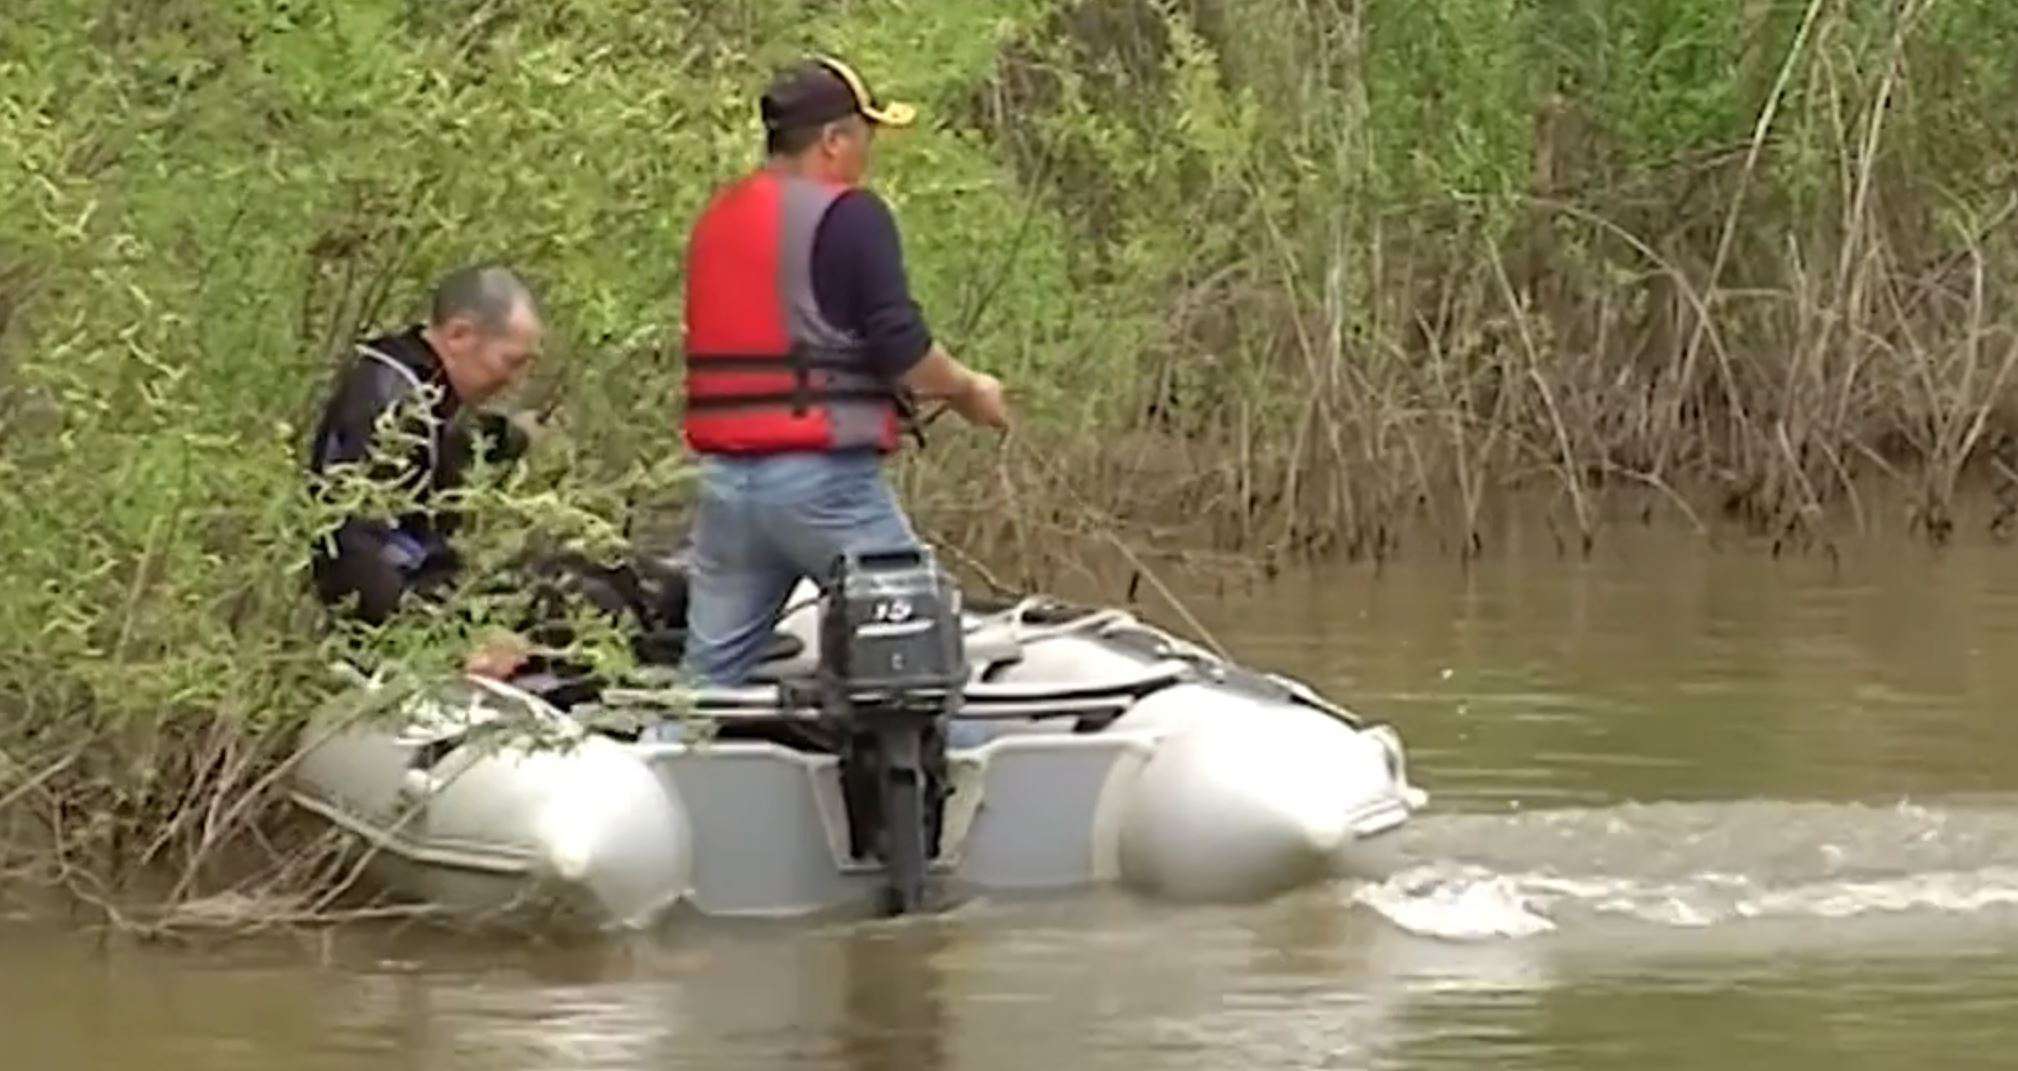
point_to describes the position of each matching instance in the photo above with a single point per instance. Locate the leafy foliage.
(1291, 270)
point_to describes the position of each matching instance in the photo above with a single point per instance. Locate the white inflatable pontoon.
(1089, 748)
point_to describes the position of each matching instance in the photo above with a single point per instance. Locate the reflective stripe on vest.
(419, 392)
(765, 371)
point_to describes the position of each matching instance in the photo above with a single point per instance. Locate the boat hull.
(618, 833)
(1150, 772)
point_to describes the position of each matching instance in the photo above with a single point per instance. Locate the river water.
(1691, 809)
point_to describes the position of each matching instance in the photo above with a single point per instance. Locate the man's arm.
(859, 272)
(861, 285)
(976, 396)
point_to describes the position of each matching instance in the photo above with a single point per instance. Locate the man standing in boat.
(800, 332)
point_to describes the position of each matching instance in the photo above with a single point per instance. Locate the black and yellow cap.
(823, 89)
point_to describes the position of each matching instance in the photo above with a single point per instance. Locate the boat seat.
(758, 696)
(659, 653)
(783, 646)
(1152, 677)
(775, 664)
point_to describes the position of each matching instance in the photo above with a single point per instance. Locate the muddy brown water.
(1691, 809)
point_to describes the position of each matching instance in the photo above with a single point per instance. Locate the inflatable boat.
(1079, 746)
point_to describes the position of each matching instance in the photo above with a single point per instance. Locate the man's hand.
(498, 658)
(983, 403)
(976, 396)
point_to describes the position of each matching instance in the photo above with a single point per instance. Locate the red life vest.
(765, 372)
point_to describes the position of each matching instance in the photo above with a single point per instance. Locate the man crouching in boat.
(482, 335)
(800, 328)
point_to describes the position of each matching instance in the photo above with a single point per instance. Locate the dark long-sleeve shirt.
(860, 283)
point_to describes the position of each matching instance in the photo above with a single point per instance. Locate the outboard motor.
(892, 669)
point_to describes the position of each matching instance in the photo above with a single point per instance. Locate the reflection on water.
(1691, 810)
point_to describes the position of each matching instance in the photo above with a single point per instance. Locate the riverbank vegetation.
(1268, 278)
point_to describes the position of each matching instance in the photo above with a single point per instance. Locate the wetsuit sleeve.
(860, 283)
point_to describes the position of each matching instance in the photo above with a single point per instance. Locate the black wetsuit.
(378, 562)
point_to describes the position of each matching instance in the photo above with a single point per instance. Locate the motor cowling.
(890, 630)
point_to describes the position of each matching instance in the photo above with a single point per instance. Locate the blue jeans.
(762, 524)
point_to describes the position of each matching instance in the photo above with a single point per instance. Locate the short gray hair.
(486, 293)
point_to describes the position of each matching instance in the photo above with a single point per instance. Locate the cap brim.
(894, 114)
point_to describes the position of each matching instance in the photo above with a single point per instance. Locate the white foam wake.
(1697, 865)
(1464, 908)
